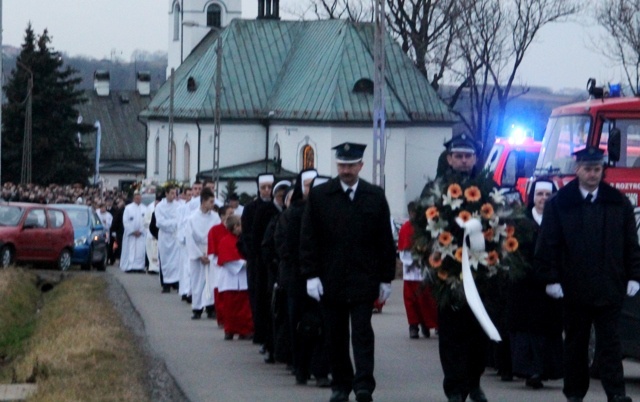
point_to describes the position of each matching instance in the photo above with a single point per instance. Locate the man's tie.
(349, 193)
(589, 198)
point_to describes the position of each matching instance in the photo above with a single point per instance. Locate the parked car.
(630, 317)
(90, 238)
(35, 233)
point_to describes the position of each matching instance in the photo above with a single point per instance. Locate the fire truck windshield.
(563, 136)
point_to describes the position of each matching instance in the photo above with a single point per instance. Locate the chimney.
(143, 83)
(269, 9)
(101, 82)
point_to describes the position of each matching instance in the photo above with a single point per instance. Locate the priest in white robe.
(186, 210)
(167, 220)
(197, 230)
(133, 240)
(152, 242)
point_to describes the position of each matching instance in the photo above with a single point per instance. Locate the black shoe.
(620, 398)
(166, 289)
(426, 332)
(301, 379)
(323, 382)
(477, 395)
(211, 312)
(574, 399)
(189, 299)
(183, 298)
(413, 332)
(197, 314)
(506, 377)
(270, 359)
(455, 398)
(534, 382)
(363, 395)
(339, 396)
(247, 337)
(228, 337)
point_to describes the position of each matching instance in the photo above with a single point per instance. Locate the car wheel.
(64, 261)
(6, 256)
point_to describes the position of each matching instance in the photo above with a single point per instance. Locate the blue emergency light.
(614, 90)
(517, 135)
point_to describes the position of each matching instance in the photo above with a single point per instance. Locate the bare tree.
(621, 20)
(352, 10)
(494, 41)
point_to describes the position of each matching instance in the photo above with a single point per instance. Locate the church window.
(363, 86)
(157, 157)
(187, 162)
(308, 157)
(214, 16)
(176, 21)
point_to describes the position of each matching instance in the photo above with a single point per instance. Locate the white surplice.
(167, 220)
(133, 248)
(197, 231)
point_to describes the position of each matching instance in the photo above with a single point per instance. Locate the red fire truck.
(513, 160)
(611, 123)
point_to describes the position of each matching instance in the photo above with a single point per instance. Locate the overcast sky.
(562, 56)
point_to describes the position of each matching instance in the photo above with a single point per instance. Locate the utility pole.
(25, 174)
(378, 95)
(170, 148)
(215, 172)
(1, 84)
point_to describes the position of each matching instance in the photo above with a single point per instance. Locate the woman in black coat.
(535, 319)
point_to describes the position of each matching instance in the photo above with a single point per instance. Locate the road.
(210, 369)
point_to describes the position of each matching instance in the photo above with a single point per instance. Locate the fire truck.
(513, 160)
(610, 122)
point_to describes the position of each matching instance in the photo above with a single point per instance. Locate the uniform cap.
(349, 152)
(589, 155)
(461, 143)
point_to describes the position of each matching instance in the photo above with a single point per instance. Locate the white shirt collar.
(584, 193)
(345, 186)
(536, 216)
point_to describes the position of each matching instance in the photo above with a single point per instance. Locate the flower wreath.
(438, 239)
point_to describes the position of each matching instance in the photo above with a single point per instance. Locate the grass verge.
(18, 305)
(80, 350)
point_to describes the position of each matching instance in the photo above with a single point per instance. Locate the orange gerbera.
(510, 230)
(488, 234)
(458, 254)
(472, 194)
(454, 190)
(442, 274)
(464, 215)
(492, 258)
(511, 244)
(435, 260)
(445, 238)
(486, 211)
(431, 213)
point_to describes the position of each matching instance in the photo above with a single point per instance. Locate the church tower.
(190, 20)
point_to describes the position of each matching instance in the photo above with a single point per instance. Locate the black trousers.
(577, 325)
(362, 340)
(463, 347)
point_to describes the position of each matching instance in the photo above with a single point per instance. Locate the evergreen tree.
(56, 156)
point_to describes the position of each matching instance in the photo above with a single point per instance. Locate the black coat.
(562, 257)
(348, 244)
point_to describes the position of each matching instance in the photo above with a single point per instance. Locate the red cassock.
(216, 233)
(418, 301)
(235, 305)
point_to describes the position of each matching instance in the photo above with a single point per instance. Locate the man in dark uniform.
(347, 255)
(588, 254)
(250, 246)
(462, 342)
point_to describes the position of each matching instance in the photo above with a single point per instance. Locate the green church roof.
(300, 70)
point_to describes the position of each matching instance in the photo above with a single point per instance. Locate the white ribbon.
(473, 231)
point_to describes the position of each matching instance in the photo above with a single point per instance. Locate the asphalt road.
(210, 369)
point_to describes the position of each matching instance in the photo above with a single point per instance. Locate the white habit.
(133, 248)
(197, 231)
(186, 209)
(167, 220)
(107, 219)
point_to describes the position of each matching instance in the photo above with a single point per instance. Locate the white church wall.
(423, 147)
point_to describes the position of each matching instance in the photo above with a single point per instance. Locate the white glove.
(555, 290)
(385, 292)
(314, 288)
(632, 288)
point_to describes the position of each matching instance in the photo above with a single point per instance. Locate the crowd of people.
(300, 270)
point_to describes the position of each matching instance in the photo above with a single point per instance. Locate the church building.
(288, 91)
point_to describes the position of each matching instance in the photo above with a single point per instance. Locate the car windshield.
(79, 218)
(10, 215)
(564, 136)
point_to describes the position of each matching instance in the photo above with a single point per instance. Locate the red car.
(35, 233)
